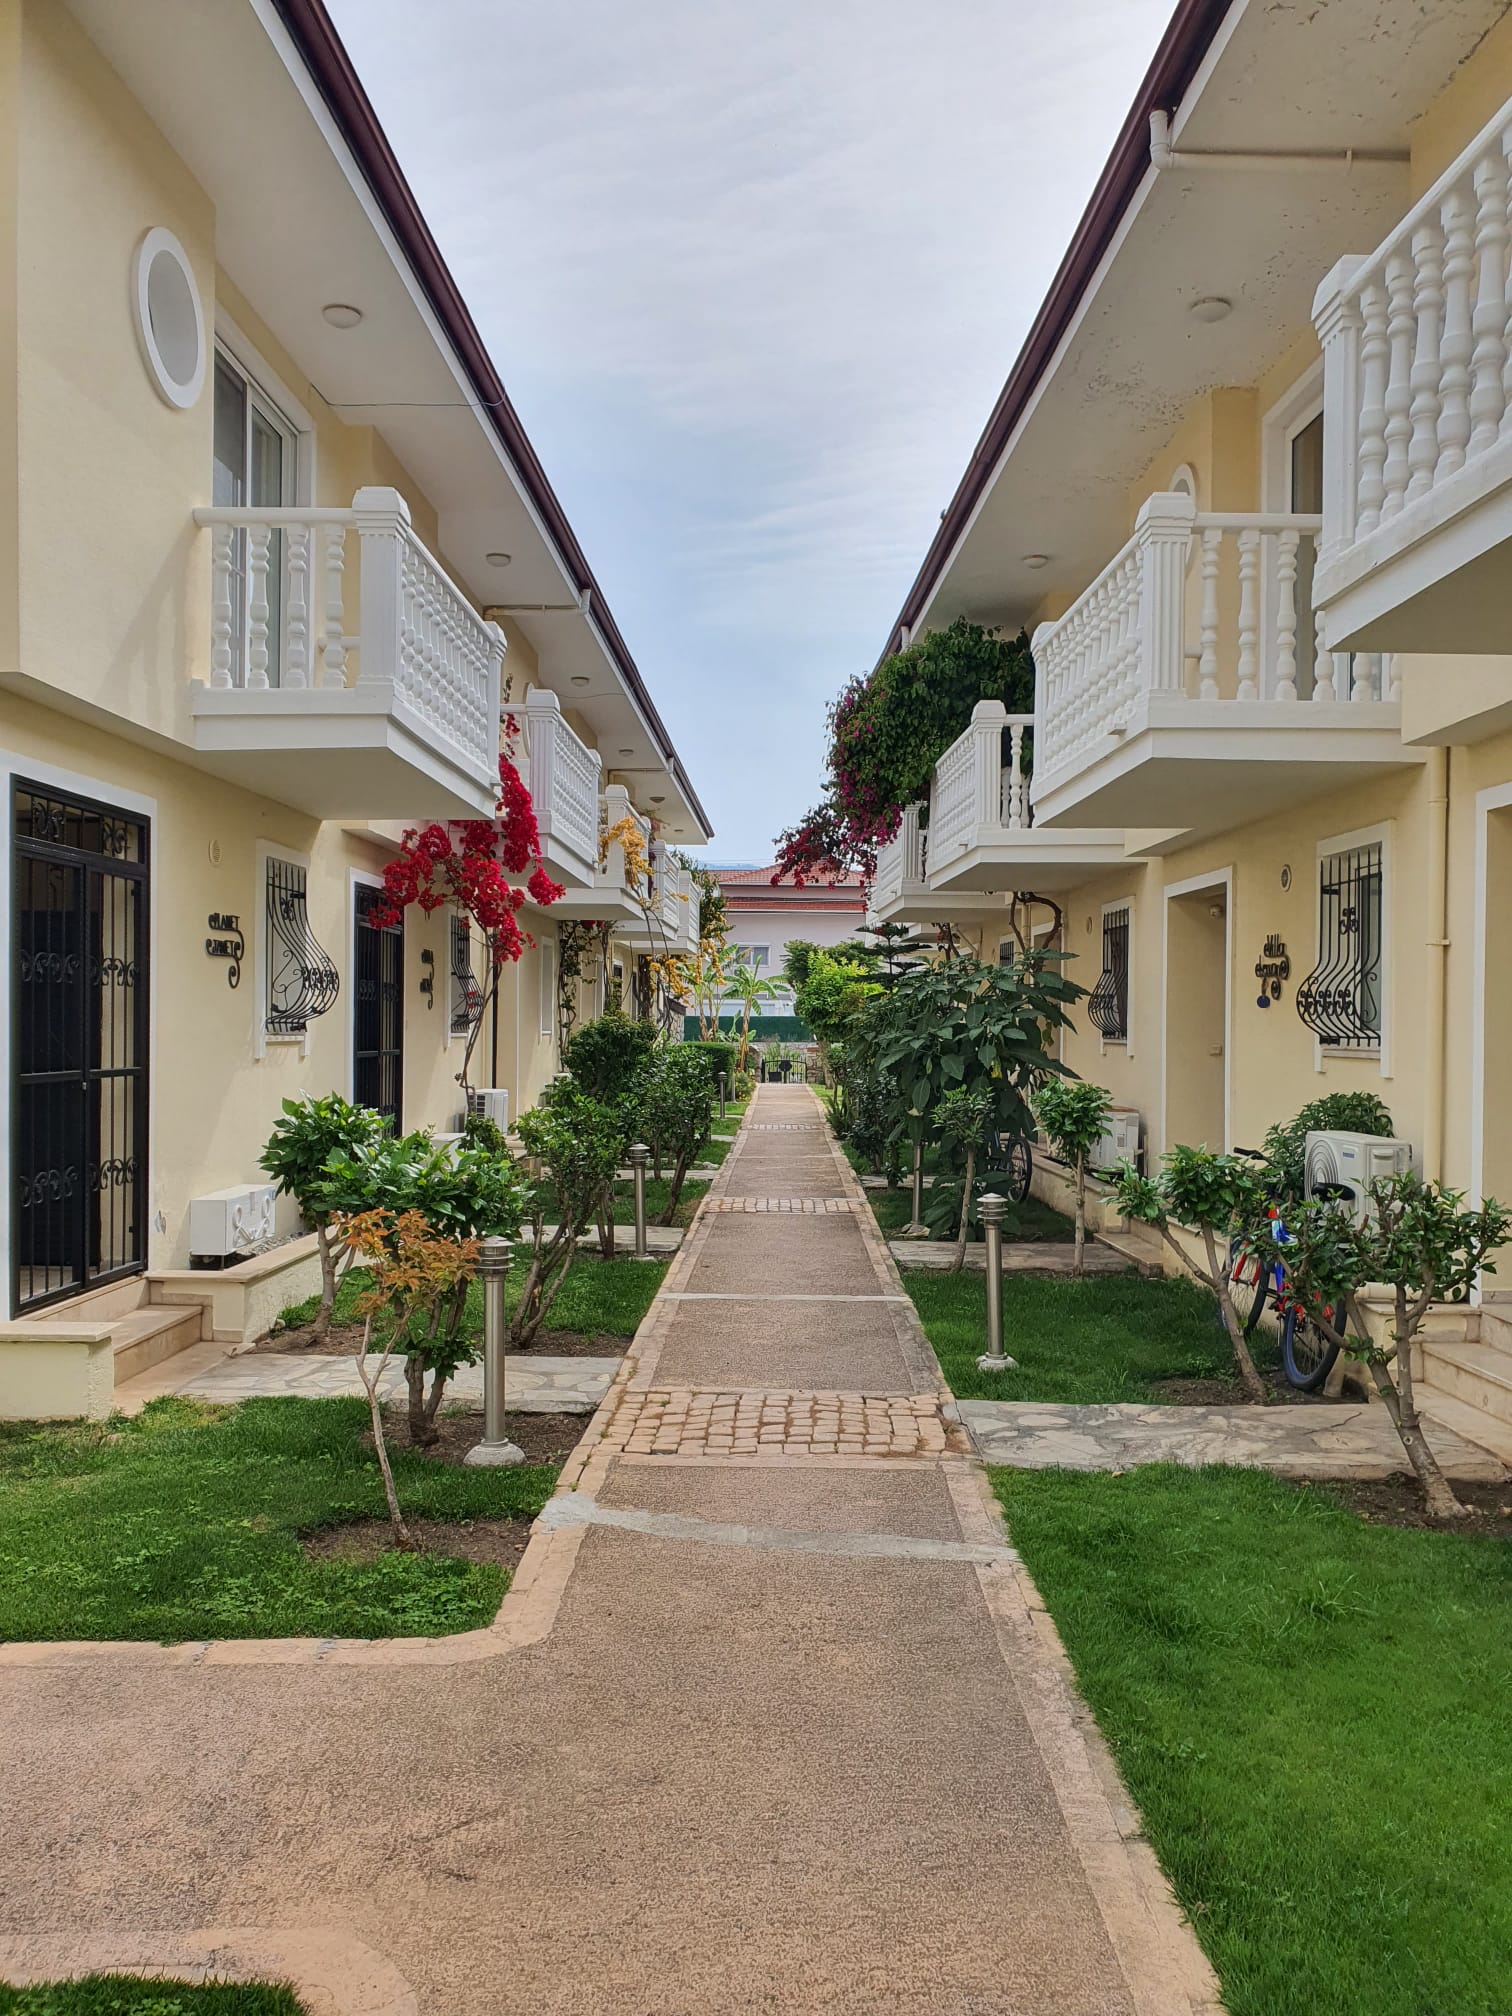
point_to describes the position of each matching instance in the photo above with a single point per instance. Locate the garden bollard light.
(639, 1155)
(992, 1360)
(721, 1095)
(916, 1226)
(495, 1450)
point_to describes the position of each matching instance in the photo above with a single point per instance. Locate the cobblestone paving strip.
(676, 1421)
(811, 1206)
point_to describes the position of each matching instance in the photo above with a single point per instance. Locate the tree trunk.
(1079, 1264)
(402, 1534)
(1249, 1378)
(606, 1230)
(422, 1430)
(959, 1261)
(1401, 1404)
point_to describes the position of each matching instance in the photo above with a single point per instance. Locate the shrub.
(721, 1056)
(576, 1143)
(1285, 1145)
(676, 1109)
(441, 1195)
(609, 1057)
(743, 1086)
(303, 1141)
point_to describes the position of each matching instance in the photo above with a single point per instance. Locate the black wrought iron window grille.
(302, 978)
(1340, 1000)
(1108, 1003)
(466, 994)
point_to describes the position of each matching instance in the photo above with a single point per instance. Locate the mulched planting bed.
(1397, 1501)
(545, 1438)
(1229, 1393)
(498, 1541)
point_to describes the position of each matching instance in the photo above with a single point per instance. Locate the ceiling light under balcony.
(659, 801)
(1036, 560)
(341, 314)
(1210, 308)
(498, 559)
(627, 752)
(581, 679)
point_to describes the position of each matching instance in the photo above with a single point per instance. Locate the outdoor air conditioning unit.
(1343, 1167)
(1120, 1141)
(493, 1103)
(227, 1225)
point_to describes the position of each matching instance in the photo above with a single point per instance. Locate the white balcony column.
(1488, 320)
(988, 720)
(1347, 405)
(259, 538)
(912, 836)
(616, 810)
(222, 546)
(1015, 813)
(296, 666)
(383, 521)
(1424, 380)
(1163, 531)
(1286, 616)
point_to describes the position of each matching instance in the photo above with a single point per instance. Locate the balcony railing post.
(382, 521)
(988, 720)
(1352, 428)
(1163, 530)
(616, 809)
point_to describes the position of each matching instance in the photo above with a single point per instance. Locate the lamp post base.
(495, 1455)
(987, 1363)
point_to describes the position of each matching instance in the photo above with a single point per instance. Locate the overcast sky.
(753, 277)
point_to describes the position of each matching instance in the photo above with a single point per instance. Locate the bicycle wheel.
(1020, 1165)
(1307, 1356)
(1249, 1284)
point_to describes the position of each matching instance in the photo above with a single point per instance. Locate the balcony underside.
(1194, 762)
(1435, 578)
(616, 907)
(342, 752)
(1001, 860)
(918, 903)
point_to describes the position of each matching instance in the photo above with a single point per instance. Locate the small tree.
(1285, 1144)
(1425, 1245)
(302, 1143)
(458, 1194)
(1217, 1195)
(575, 1144)
(1074, 1116)
(747, 988)
(962, 1118)
(411, 1275)
(468, 863)
(676, 1110)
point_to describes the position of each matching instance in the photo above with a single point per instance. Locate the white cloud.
(753, 278)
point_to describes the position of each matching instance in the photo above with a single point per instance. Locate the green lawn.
(183, 1523)
(130, 1995)
(599, 1295)
(1107, 1338)
(656, 1200)
(1313, 1716)
(1029, 1220)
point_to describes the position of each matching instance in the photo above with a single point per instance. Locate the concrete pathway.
(1318, 1441)
(771, 1721)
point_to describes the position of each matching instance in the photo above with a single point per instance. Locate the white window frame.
(1382, 834)
(262, 1040)
(1125, 1043)
(1299, 405)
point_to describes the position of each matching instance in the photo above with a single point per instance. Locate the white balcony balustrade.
(1417, 420)
(615, 896)
(562, 773)
(980, 837)
(1187, 689)
(395, 720)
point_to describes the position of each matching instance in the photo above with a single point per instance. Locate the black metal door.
(378, 1010)
(79, 894)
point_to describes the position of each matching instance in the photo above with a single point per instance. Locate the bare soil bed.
(1397, 1501)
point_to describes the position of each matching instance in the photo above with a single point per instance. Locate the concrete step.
(1472, 1423)
(146, 1337)
(101, 1305)
(1478, 1374)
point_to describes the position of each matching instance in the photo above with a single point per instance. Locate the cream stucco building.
(1249, 487)
(276, 560)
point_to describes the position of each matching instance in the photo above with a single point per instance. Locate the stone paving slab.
(821, 1345)
(1313, 1441)
(815, 1207)
(1020, 1256)
(533, 1384)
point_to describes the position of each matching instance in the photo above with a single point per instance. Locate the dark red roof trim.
(329, 65)
(1182, 49)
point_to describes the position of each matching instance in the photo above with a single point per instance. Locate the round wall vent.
(170, 324)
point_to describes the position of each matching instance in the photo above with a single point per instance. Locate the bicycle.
(1255, 1282)
(1012, 1166)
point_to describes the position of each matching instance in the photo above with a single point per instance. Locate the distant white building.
(765, 916)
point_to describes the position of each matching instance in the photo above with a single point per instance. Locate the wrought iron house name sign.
(226, 941)
(1271, 968)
